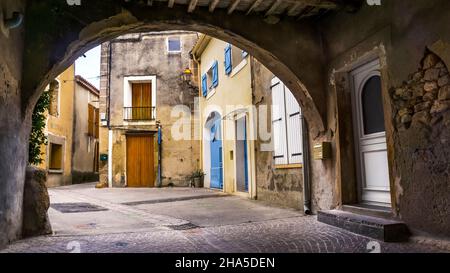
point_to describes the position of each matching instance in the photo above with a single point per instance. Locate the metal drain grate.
(76, 207)
(184, 226)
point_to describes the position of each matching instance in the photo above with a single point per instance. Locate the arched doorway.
(213, 154)
(55, 34)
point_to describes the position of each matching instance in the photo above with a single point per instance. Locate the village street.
(180, 220)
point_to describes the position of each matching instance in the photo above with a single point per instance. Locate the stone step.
(386, 230)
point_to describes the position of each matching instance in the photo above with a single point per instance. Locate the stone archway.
(55, 34)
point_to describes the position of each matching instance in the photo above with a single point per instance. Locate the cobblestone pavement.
(244, 226)
(299, 234)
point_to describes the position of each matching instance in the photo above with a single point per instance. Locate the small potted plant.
(197, 178)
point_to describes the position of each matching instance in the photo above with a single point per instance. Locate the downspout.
(159, 156)
(306, 165)
(110, 133)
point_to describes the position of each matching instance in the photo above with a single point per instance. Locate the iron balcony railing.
(139, 113)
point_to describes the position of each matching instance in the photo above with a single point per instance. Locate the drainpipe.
(110, 132)
(306, 174)
(110, 140)
(159, 156)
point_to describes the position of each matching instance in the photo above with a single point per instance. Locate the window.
(93, 121)
(53, 90)
(56, 157)
(234, 57)
(210, 79)
(174, 44)
(286, 126)
(372, 106)
(139, 99)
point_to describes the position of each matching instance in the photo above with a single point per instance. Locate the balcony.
(139, 113)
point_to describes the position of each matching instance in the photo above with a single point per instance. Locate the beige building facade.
(146, 110)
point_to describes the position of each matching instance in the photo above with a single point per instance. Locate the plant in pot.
(197, 178)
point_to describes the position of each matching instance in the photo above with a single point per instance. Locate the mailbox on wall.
(322, 150)
(103, 157)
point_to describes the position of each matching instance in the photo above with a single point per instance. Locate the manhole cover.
(184, 226)
(76, 207)
(121, 244)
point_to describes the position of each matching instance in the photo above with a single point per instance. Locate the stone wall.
(415, 117)
(281, 187)
(145, 54)
(14, 126)
(422, 121)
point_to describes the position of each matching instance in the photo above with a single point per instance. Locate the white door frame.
(367, 143)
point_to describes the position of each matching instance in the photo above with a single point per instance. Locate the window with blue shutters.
(235, 59)
(228, 62)
(215, 74)
(204, 85)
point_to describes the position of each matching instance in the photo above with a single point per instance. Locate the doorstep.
(387, 230)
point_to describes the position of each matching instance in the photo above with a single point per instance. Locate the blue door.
(245, 156)
(216, 157)
(241, 159)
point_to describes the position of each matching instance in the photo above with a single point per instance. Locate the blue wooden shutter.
(204, 85)
(228, 64)
(215, 74)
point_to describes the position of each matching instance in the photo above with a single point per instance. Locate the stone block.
(422, 106)
(430, 86)
(404, 111)
(444, 80)
(406, 119)
(429, 96)
(374, 227)
(431, 74)
(440, 106)
(444, 93)
(430, 61)
(35, 203)
(421, 117)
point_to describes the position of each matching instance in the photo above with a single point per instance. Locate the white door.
(370, 135)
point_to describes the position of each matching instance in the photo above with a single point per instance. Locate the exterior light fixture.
(186, 75)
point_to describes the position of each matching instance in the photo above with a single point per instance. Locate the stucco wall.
(83, 145)
(232, 93)
(59, 129)
(283, 187)
(146, 55)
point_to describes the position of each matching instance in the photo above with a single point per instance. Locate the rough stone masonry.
(422, 120)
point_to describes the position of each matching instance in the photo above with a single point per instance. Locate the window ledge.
(238, 68)
(131, 123)
(289, 166)
(55, 171)
(211, 93)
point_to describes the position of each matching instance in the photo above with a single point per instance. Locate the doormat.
(76, 207)
(183, 227)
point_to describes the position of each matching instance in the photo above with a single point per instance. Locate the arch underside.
(57, 34)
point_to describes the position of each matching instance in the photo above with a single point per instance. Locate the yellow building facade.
(71, 154)
(57, 153)
(226, 117)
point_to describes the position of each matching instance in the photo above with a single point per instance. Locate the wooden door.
(141, 101)
(140, 161)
